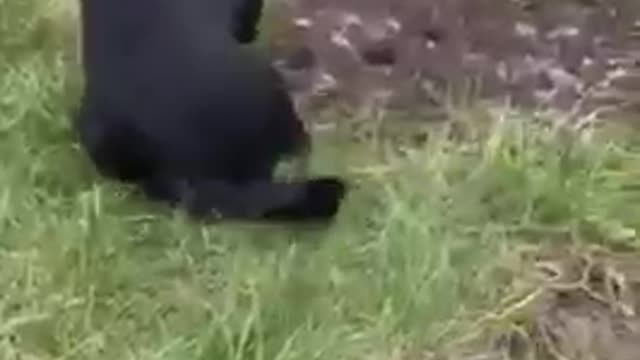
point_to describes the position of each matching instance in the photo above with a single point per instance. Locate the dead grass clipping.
(569, 303)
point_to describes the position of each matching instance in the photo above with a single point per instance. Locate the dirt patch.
(577, 56)
(579, 305)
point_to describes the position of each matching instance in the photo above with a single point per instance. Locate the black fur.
(244, 23)
(174, 103)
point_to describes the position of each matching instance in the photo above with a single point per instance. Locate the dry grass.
(567, 302)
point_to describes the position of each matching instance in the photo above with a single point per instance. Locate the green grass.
(89, 270)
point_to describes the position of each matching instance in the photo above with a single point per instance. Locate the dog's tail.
(308, 200)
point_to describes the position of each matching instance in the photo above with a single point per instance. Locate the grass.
(90, 271)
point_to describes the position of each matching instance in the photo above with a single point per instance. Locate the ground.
(425, 250)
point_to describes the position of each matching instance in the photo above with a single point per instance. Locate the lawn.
(90, 270)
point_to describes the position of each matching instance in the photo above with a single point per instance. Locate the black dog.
(175, 103)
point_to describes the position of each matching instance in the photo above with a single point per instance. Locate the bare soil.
(576, 56)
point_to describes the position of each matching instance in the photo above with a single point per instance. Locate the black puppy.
(173, 103)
